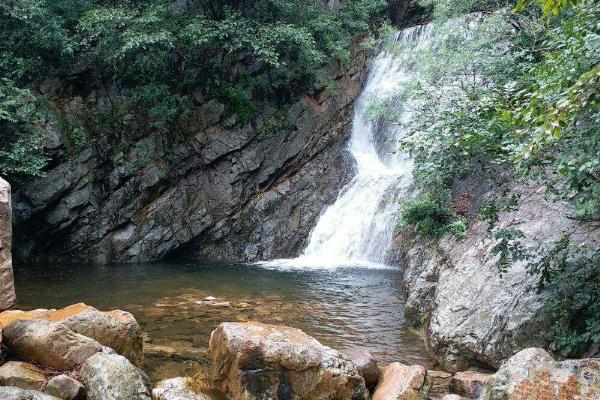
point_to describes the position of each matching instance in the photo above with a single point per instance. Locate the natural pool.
(341, 307)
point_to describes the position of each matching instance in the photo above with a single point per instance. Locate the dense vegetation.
(244, 53)
(516, 96)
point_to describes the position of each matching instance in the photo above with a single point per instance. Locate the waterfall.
(358, 228)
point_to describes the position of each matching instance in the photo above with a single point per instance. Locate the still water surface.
(341, 307)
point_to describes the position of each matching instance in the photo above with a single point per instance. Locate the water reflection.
(173, 302)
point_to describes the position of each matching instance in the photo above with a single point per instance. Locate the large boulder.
(115, 329)
(400, 382)
(14, 393)
(7, 286)
(113, 377)
(254, 361)
(22, 375)
(534, 374)
(49, 343)
(176, 389)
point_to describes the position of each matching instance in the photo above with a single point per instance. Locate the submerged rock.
(14, 393)
(400, 382)
(365, 362)
(65, 388)
(22, 375)
(116, 329)
(253, 361)
(113, 377)
(7, 286)
(534, 374)
(176, 389)
(49, 343)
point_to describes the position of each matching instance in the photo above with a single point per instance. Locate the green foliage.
(514, 90)
(570, 277)
(21, 139)
(243, 53)
(432, 218)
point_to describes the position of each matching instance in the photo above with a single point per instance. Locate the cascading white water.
(358, 228)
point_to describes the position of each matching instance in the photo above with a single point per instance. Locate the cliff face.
(470, 313)
(231, 192)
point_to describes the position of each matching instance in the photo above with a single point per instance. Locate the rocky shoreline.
(82, 353)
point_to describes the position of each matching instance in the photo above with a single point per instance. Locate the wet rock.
(400, 382)
(176, 389)
(256, 361)
(365, 362)
(115, 329)
(534, 375)
(469, 383)
(48, 343)
(113, 377)
(7, 287)
(14, 393)
(66, 388)
(22, 375)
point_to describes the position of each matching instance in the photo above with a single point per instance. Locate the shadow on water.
(342, 307)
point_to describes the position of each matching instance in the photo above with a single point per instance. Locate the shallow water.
(342, 307)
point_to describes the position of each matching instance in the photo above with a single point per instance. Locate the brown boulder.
(48, 343)
(533, 374)
(22, 375)
(469, 383)
(115, 329)
(400, 382)
(254, 361)
(437, 383)
(365, 362)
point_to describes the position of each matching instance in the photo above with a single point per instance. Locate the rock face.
(400, 382)
(253, 361)
(139, 198)
(472, 316)
(115, 329)
(176, 389)
(66, 388)
(7, 288)
(22, 375)
(113, 377)
(532, 374)
(48, 343)
(13, 393)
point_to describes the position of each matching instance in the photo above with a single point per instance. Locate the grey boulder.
(113, 377)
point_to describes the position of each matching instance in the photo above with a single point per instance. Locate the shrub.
(570, 277)
(429, 216)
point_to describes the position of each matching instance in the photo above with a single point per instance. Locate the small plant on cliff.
(429, 216)
(570, 277)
